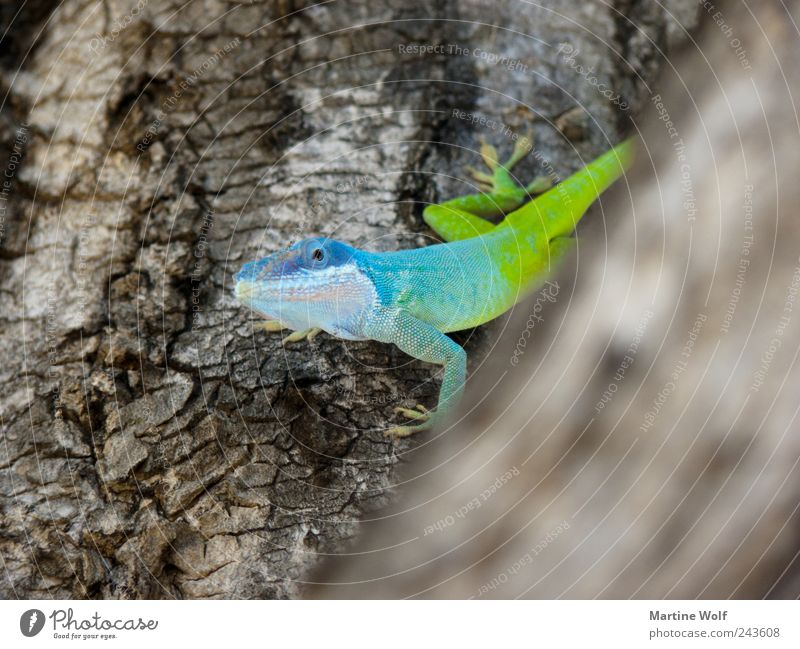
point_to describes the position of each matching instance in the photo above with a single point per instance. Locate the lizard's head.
(314, 283)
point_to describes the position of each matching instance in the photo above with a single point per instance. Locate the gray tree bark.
(155, 444)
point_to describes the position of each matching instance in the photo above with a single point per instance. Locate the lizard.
(414, 297)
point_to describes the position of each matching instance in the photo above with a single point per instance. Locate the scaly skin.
(413, 297)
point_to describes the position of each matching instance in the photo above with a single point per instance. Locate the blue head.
(314, 283)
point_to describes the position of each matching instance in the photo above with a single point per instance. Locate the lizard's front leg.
(269, 325)
(423, 341)
(295, 336)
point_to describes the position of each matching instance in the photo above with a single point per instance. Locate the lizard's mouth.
(279, 290)
(248, 293)
(270, 298)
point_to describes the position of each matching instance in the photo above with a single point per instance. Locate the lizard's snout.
(244, 289)
(247, 281)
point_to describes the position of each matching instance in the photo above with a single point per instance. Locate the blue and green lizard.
(413, 298)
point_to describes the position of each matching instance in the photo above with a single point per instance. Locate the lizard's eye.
(318, 254)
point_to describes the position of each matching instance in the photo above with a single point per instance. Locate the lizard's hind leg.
(453, 223)
(501, 181)
(465, 217)
(305, 334)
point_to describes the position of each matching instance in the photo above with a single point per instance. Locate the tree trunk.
(155, 443)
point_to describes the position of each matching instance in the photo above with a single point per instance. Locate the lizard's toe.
(539, 185)
(489, 155)
(484, 180)
(420, 413)
(297, 336)
(269, 325)
(522, 147)
(407, 431)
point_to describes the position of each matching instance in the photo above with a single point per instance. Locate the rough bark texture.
(153, 443)
(646, 443)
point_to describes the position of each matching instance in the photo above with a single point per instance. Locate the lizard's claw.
(489, 155)
(484, 180)
(539, 185)
(500, 180)
(420, 414)
(296, 336)
(522, 147)
(269, 325)
(407, 431)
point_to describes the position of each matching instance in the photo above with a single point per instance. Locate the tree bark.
(155, 444)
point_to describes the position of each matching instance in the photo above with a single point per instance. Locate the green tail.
(558, 210)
